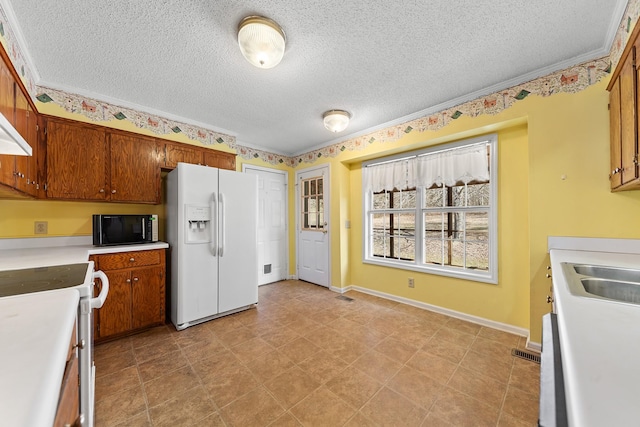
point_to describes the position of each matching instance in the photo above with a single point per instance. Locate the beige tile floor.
(305, 357)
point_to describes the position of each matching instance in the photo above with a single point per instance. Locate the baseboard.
(340, 290)
(534, 346)
(452, 313)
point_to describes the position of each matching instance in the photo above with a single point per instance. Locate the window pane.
(381, 200)
(380, 222)
(458, 195)
(306, 187)
(320, 220)
(456, 253)
(478, 194)
(320, 204)
(305, 220)
(407, 225)
(433, 197)
(454, 224)
(406, 249)
(477, 225)
(320, 183)
(433, 225)
(433, 251)
(478, 255)
(313, 187)
(312, 205)
(381, 245)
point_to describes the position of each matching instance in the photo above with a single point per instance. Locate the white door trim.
(326, 168)
(245, 167)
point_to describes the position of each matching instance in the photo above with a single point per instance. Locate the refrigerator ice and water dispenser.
(198, 222)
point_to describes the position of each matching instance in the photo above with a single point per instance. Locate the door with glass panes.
(313, 225)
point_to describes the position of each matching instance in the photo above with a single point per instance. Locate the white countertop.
(35, 331)
(600, 345)
(35, 328)
(18, 256)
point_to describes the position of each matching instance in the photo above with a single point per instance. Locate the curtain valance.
(464, 164)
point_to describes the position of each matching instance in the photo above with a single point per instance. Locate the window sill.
(484, 277)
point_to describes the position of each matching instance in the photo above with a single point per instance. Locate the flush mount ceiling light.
(336, 120)
(261, 41)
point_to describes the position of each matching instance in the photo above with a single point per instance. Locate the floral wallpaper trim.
(8, 40)
(102, 111)
(570, 80)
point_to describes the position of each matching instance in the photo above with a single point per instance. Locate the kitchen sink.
(611, 273)
(608, 283)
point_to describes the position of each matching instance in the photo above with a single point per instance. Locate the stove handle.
(98, 301)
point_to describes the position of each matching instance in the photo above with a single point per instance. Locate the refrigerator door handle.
(222, 226)
(213, 224)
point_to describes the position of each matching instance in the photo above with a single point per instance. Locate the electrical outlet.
(411, 284)
(40, 227)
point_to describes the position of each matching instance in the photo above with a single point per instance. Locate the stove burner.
(28, 280)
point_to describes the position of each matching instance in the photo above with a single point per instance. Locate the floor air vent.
(344, 298)
(531, 357)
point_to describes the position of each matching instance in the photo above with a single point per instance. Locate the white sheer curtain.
(387, 176)
(462, 164)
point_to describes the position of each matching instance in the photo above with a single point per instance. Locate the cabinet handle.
(128, 280)
(132, 259)
(548, 276)
(80, 345)
(135, 279)
(549, 299)
(616, 170)
(548, 267)
(101, 190)
(113, 191)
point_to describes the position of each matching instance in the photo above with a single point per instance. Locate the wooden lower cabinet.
(136, 298)
(68, 412)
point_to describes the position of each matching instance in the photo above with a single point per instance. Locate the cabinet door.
(628, 120)
(174, 153)
(148, 296)
(7, 103)
(219, 159)
(76, 162)
(135, 173)
(115, 314)
(614, 131)
(23, 163)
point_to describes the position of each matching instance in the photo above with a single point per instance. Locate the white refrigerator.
(212, 217)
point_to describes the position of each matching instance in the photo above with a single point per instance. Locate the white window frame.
(490, 276)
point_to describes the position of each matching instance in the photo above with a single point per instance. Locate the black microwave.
(124, 229)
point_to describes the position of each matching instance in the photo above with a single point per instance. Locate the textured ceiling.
(379, 60)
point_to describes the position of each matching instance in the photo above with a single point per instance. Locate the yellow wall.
(507, 302)
(541, 140)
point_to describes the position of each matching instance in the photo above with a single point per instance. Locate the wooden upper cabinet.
(7, 105)
(135, 173)
(614, 131)
(624, 102)
(176, 152)
(26, 166)
(76, 161)
(628, 131)
(219, 159)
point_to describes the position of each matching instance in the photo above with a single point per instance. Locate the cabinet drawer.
(129, 259)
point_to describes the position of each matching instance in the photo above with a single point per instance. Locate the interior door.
(272, 223)
(313, 225)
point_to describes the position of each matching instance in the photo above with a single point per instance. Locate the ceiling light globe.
(336, 120)
(261, 41)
